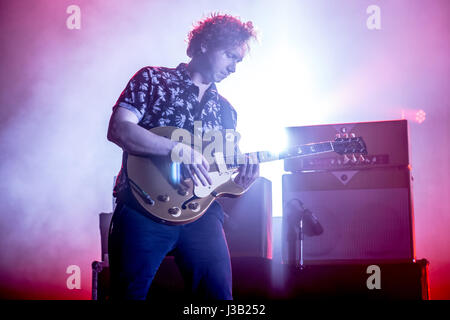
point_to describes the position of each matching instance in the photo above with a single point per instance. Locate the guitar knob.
(175, 211)
(183, 192)
(194, 206)
(164, 198)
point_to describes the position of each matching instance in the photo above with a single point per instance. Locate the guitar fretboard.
(308, 149)
(266, 156)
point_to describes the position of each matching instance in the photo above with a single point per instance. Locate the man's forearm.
(139, 141)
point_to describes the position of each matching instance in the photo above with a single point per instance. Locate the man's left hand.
(248, 171)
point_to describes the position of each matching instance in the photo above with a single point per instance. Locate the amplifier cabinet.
(366, 215)
(248, 221)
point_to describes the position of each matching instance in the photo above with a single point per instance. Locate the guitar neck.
(294, 152)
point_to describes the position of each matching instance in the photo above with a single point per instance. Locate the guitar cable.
(144, 195)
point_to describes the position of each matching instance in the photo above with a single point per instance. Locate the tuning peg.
(346, 159)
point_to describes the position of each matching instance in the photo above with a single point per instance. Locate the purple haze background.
(58, 87)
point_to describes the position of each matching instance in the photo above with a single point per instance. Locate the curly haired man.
(159, 96)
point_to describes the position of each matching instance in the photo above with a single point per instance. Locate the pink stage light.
(418, 116)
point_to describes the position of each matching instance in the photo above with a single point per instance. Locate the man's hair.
(219, 31)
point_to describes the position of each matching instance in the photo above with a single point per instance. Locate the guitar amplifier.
(365, 215)
(386, 141)
(248, 221)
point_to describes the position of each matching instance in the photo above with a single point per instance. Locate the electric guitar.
(155, 180)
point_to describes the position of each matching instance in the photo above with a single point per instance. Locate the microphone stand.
(301, 238)
(307, 224)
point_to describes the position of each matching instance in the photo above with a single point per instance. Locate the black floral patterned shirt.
(161, 96)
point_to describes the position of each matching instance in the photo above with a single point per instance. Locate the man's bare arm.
(126, 133)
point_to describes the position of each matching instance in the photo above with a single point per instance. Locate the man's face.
(220, 63)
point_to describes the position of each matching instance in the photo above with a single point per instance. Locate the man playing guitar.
(160, 97)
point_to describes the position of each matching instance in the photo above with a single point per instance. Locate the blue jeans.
(138, 244)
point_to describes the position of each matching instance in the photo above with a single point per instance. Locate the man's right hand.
(193, 164)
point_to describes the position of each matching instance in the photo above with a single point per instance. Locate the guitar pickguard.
(217, 178)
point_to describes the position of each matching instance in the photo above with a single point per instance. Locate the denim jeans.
(138, 244)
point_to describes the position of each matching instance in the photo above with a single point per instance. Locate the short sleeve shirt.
(161, 97)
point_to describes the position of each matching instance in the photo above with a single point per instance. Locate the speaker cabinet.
(248, 221)
(366, 215)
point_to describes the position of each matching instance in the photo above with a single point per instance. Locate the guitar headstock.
(349, 145)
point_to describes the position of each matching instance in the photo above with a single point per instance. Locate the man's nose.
(231, 68)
